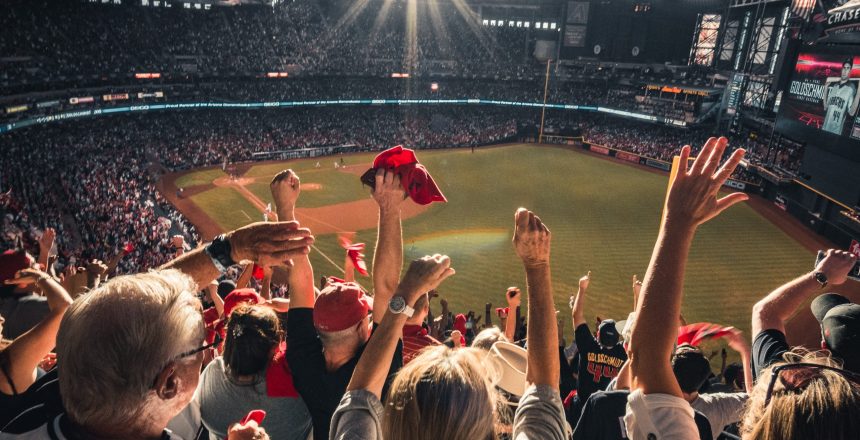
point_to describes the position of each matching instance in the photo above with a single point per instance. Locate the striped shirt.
(415, 338)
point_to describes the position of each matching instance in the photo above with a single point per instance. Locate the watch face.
(821, 278)
(397, 304)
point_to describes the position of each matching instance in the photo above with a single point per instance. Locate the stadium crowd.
(339, 360)
(99, 191)
(44, 40)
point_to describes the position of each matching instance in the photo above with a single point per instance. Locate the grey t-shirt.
(224, 402)
(22, 313)
(721, 409)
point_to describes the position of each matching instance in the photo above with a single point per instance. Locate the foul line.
(328, 259)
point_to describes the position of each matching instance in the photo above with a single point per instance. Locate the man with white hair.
(130, 352)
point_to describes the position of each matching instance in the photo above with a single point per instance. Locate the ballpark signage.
(599, 150)
(843, 24)
(627, 156)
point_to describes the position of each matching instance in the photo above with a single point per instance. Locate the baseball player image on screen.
(840, 99)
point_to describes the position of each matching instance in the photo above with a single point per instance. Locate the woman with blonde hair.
(450, 394)
(806, 397)
(428, 386)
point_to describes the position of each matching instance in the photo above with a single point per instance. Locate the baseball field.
(603, 214)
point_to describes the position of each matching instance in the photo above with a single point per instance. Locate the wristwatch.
(821, 278)
(398, 305)
(219, 252)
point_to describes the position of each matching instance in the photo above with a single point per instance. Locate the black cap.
(840, 327)
(607, 334)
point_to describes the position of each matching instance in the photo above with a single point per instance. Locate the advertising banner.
(623, 155)
(599, 150)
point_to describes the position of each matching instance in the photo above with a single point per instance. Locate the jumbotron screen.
(820, 104)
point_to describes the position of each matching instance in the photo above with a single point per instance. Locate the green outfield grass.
(603, 215)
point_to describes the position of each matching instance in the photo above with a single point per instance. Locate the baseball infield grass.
(603, 216)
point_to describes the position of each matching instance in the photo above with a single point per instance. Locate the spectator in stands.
(600, 358)
(692, 369)
(251, 375)
(656, 408)
(20, 358)
(413, 396)
(806, 396)
(487, 337)
(19, 305)
(415, 337)
(840, 328)
(327, 335)
(146, 364)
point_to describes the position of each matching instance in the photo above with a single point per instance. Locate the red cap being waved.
(416, 180)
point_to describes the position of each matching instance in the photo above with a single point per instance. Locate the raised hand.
(513, 297)
(584, 281)
(46, 241)
(285, 188)
(424, 274)
(531, 239)
(388, 191)
(693, 193)
(836, 265)
(457, 338)
(637, 285)
(178, 242)
(270, 244)
(48, 361)
(96, 268)
(26, 277)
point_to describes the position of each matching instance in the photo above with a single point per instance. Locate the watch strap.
(219, 252)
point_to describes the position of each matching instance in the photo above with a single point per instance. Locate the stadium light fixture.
(552, 25)
(492, 22)
(486, 22)
(526, 24)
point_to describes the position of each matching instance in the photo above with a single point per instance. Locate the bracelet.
(219, 252)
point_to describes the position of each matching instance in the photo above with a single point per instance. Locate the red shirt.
(415, 338)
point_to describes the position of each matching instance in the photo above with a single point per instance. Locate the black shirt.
(603, 418)
(597, 365)
(321, 390)
(768, 347)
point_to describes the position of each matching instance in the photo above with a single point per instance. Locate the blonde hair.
(443, 394)
(487, 337)
(826, 407)
(115, 340)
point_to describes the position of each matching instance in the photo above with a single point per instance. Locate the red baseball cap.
(340, 306)
(416, 180)
(239, 297)
(11, 262)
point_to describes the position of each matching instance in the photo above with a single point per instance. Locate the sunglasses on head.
(798, 376)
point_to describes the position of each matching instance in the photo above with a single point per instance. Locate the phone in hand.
(854, 274)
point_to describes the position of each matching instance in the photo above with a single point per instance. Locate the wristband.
(219, 252)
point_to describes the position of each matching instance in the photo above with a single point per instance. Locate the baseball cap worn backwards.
(840, 327)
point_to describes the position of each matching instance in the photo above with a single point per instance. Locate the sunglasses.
(203, 348)
(799, 375)
(195, 351)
